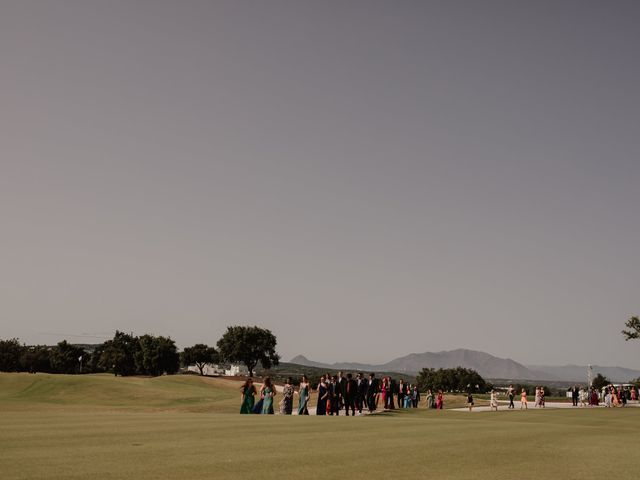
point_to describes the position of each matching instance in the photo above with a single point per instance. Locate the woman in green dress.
(267, 392)
(248, 396)
(304, 396)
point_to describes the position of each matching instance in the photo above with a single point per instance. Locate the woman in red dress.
(440, 400)
(383, 391)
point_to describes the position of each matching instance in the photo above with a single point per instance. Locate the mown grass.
(175, 427)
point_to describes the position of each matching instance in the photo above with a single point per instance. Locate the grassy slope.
(164, 428)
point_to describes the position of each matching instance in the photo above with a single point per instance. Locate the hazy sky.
(365, 178)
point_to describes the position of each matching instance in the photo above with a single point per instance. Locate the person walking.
(323, 394)
(440, 400)
(575, 395)
(248, 396)
(286, 404)
(430, 400)
(303, 394)
(350, 392)
(415, 396)
(523, 400)
(511, 392)
(361, 395)
(470, 401)
(494, 401)
(267, 393)
(372, 392)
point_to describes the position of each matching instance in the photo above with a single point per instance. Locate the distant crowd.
(337, 393)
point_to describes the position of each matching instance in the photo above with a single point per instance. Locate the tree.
(600, 381)
(249, 345)
(36, 358)
(118, 354)
(451, 380)
(10, 353)
(633, 324)
(64, 357)
(156, 355)
(199, 355)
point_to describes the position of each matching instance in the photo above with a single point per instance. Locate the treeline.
(125, 354)
(451, 380)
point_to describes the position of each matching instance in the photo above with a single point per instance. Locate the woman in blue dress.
(323, 394)
(267, 392)
(304, 396)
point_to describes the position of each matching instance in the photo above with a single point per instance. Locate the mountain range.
(487, 365)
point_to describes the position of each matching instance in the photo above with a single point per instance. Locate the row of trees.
(451, 380)
(127, 354)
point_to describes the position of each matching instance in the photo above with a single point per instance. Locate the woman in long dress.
(267, 392)
(323, 393)
(440, 400)
(494, 401)
(304, 396)
(383, 392)
(286, 404)
(248, 396)
(430, 402)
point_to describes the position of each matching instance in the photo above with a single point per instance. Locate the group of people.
(618, 396)
(336, 393)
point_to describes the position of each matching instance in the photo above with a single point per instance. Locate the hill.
(487, 365)
(181, 393)
(578, 373)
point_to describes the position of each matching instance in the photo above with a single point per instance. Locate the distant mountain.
(485, 364)
(578, 373)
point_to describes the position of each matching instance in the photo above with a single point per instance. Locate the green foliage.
(118, 354)
(127, 354)
(156, 355)
(600, 381)
(10, 353)
(451, 380)
(36, 359)
(64, 357)
(633, 324)
(199, 355)
(249, 345)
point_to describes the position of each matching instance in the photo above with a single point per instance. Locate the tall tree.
(633, 324)
(600, 381)
(156, 355)
(65, 357)
(10, 353)
(199, 355)
(118, 354)
(249, 345)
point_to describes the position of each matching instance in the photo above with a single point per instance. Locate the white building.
(214, 370)
(237, 371)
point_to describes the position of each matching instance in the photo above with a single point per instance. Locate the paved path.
(503, 405)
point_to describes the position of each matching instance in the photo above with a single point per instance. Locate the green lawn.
(101, 427)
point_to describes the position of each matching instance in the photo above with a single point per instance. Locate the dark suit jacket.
(341, 387)
(373, 387)
(352, 387)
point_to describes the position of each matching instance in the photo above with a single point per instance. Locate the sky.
(366, 179)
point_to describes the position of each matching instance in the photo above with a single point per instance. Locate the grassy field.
(185, 427)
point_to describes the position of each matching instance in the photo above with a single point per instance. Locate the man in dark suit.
(575, 393)
(361, 395)
(372, 392)
(350, 392)
(402, 392)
